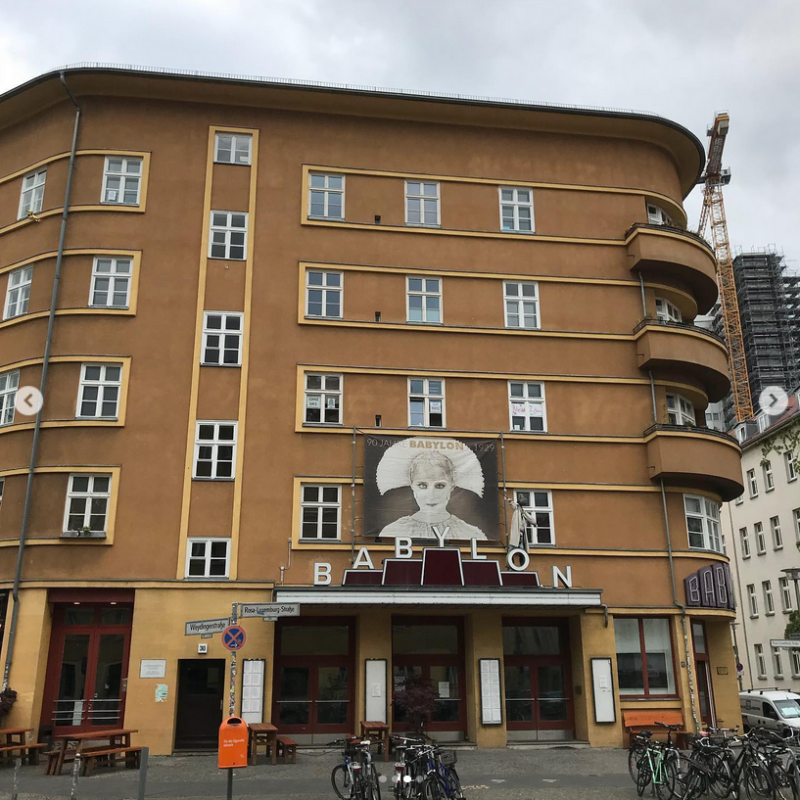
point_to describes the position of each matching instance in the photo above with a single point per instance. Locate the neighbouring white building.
(762, 533)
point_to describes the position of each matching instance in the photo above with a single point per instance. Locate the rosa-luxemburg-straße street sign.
(269, 610)
(785, 644)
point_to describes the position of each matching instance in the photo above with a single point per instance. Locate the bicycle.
(356, 778)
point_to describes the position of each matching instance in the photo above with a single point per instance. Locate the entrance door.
(87, 667)
(705, 690)
(538, 684)
(201, 684)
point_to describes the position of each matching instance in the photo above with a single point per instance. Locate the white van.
(774, 710)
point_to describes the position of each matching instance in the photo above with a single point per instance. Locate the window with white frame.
(111, 282)
(32, 194)
(739, 500)
(761, 664)
(769, 478)
(98, 395)
(761, 540)
(233, 148)
(538, 506)
(526, 406)
(326, 196)
(321, 511)
(744, 538)
(777, 662)
(794, 656)
(769, 602)
(680, 411)
(666, 311)
(422, 203)
(786, 595)
(324, 294)
(791, 471)
(424, 299)
(752, 599)
(724, 545)
(228, 237)
(222, 338)
(777, 536)
(516, 209)
(207, 558)
(9, 383)
(2, 487)
(215, 451)
(796, 514)
(426, 403)
(521, 304)
(762, 420)
(18, 292)
(657, 216)
(752, 483)
(323, 398)
(122, 181)
(702, 522)
(87, 504)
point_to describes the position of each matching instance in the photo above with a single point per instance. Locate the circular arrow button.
(28, 401)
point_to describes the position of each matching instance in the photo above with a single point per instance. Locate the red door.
(87, 668)
(705, 690)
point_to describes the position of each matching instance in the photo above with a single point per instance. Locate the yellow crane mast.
(714, 178)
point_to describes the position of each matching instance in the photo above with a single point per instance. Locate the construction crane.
(714, 178)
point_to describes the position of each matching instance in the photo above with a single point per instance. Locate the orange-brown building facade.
(425, 367)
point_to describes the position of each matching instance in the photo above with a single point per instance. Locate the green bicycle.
(655, 765)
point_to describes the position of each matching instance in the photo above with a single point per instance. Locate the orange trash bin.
(233, 743)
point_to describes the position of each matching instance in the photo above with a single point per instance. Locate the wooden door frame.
(705, 660)
(225, 666)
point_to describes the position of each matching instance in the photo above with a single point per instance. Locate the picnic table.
(14, 739)
(377, 730)
(263, 732)
(108, 739)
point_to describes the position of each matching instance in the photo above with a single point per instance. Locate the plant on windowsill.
(418, 699)
(793, 625)
(84, 533)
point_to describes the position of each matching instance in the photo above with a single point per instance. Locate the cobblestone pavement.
(557, 773)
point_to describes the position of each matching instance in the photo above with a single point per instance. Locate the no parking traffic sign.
(233, 638)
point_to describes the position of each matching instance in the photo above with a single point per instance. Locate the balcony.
(698, 458)
(676, 351)
(675, 256)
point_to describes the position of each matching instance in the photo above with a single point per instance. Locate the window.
(786, 595)
(777, 536)
(425, 403)
(702, 522)
(87, 504)
(796, 514)
(666, 311)
(18, 292)
(795, 658)
(207, 558)
(98, 394)
(526, 406)
(752, 599)
(324, 294)
(777, 662)
(323, 399)
(122, 180)
(233, 148)
(111, 282)
(791, 471)
(657, 216)
(326, 196)
(739, 500)
(2, 487)
(222, 339)
(761, 664)
(215, 451)
(763, 422)
(769, 602)
(32, 194)
(522, 305)
(744, 536)
(321, 509)
(9, 383)
(752, 482)
(644, 657)
(769, 478)
(539, 506)
(680, 411)
(228, 235)
(424, 297)
(516, 209)
(422, 203)
(761, 541)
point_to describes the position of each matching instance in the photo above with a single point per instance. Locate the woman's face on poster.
(431, 489)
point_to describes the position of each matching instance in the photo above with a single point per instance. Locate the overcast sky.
(683, 59)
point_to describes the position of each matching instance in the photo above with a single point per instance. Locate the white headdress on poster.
(402, 458)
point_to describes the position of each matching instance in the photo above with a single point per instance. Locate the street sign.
(269, 609)
(785, 644)
(199, 627)
(233, 638)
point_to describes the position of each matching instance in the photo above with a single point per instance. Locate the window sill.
(98, 419)
(125, 205)
(422, 322)
(655, 698)
(706, 550)
(777, 547)
(523, 328)
(213, 480)
(233, 163)
(323, 218)
(212, 364)
(206, 579)
(769, 613)
(301, 540)
(754, 616)
(532, 433)
(514, 230)
(307, 424)
(320, 316)
(426, 428)
(423, 225)
(225, 258)
(761, 553)
(109, 308)
(767, 491)
(791, 480)
(82, 535)
(745, 558)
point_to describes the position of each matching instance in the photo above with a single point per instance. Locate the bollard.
(76, 768)
(230, 785)
(15, 785)
(145, 755)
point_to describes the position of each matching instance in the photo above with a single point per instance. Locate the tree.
(418, 699)
(786, 441)
(793, 625)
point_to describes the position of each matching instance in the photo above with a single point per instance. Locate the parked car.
(774, 710)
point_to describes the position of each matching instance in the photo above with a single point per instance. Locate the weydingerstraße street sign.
(785, 644)
(200, 626)
(269, 609)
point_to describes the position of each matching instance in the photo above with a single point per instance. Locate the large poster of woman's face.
(427, 489)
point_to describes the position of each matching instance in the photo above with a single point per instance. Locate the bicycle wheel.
(758, 782)
(342, 785)
(667, 778)
(434, 788)
(453, 783)
(784, 786)
(373, 784)
(634, 754)
(644, 774)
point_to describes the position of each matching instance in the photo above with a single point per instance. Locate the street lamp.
(793, 574)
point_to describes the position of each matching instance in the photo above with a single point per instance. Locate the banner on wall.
(430, 489)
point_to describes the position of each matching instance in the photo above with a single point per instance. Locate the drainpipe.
(23, 535)
(644, 297)
(353, 501)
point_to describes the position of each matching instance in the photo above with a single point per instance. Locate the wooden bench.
(637, 721)
(29, 751)
(287, 748)
(132, 756)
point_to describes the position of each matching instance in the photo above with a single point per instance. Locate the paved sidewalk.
(558, 773)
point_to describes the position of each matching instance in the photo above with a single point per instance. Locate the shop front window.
(644, 657)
